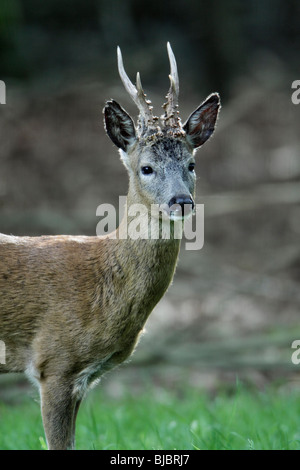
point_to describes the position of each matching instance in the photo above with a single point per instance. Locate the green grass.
(165, 420)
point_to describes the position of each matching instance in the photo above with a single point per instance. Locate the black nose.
(182, 204)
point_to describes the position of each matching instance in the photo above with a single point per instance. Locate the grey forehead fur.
(162, 146)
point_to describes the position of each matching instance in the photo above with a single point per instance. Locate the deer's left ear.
(201, 123)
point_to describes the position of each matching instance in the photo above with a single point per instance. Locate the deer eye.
(191, 166)
(147, 170)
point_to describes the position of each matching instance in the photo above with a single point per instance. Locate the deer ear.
(119, 125)
(201, 123)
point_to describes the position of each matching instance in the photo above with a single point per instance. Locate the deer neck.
(147, 263)
(143, 233)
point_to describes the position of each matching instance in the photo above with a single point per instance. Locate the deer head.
(159, 153)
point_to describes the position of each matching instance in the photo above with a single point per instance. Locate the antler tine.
(124, 77)
(137, 94)
(171, 116)
(174, 73)
(140, 91)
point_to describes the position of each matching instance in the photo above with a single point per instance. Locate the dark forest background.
(233, 308)
(215, 40)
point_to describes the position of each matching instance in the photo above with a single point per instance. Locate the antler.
(171, 116)
(146, 117)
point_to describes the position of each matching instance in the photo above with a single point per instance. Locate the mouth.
(177, 212)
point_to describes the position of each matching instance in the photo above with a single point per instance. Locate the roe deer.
(73, 307)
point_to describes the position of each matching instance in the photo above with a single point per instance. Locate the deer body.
(71, 308)
(64, 297)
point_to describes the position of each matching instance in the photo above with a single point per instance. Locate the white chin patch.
(176, 216)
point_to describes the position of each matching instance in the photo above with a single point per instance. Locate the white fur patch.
(89, 377)
(32, 374)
